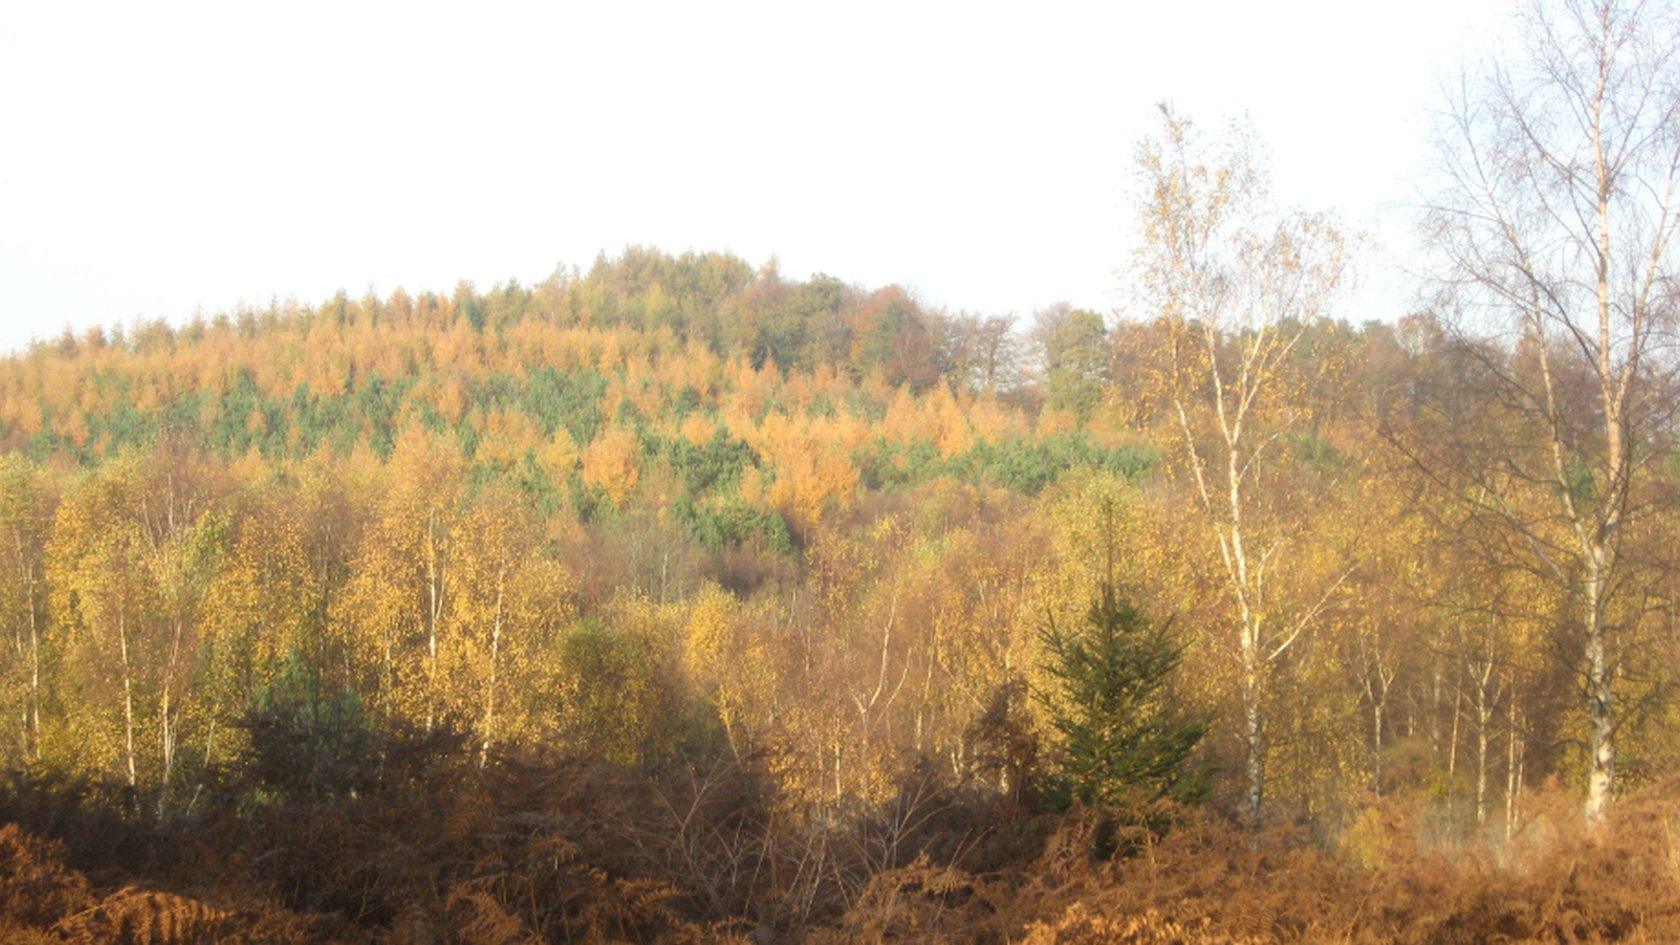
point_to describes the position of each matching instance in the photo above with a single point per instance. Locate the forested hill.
(751, 391)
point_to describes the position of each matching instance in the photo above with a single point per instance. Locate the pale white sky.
(161, 158)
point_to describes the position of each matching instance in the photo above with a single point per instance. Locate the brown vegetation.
(561, 851)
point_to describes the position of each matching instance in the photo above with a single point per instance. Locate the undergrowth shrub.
(429, 847)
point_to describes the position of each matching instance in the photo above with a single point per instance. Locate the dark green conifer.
(1121, 737)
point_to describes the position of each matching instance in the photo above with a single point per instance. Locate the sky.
(162, 159)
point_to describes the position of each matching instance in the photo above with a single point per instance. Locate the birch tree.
(26, 508)
(396, 604)
(173, 503)
(96, 567)
(1557, 221)
(504, 591)
(1239, 284)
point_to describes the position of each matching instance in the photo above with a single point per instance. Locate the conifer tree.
(1121, 738)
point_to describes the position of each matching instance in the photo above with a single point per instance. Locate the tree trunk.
(1601, 748)
(1254, 737)
(166, 716)
(1511, 739)
(1378, 683)
(1435, 713)
(434, 605)
(34, 707)
(128, 709)
(1376, 746)
(495, 659)
(1452, 738)
(1484, 713)
(167, 743)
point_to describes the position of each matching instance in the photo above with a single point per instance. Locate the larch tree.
(612, 463)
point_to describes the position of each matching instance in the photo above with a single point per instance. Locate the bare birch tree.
(1557, 221)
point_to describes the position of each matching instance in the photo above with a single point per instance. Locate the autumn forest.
(674, 599)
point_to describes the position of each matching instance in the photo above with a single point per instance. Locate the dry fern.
(477, 918)
(133, 916)
(1080, 925)
(36, 888)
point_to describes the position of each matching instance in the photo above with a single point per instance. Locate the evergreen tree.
(1121, 739)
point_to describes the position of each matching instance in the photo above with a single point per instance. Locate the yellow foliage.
(452, 400)
(697, 429)
(507, 437)
(559, 456)
(73, 427)
(812, 467)
(612, 463)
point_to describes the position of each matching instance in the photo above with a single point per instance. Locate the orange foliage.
(611, 463)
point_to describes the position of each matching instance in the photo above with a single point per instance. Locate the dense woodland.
(674, 599)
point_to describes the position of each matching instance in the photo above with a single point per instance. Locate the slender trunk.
(1601, 748)
(1376, 746)
(128, 708)
(1252, 655)
(1483, 716)
(210, 737)
(1435, 714)
(167, 741)
(166, 716)
(434, 600)
(922, 706)
(1511, 738)
(1452, 740)
(495, 662)
(1254, 738)
(34, 707)
(1377, 684)
(729, 736)
(209, 756)
(1522, 767)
